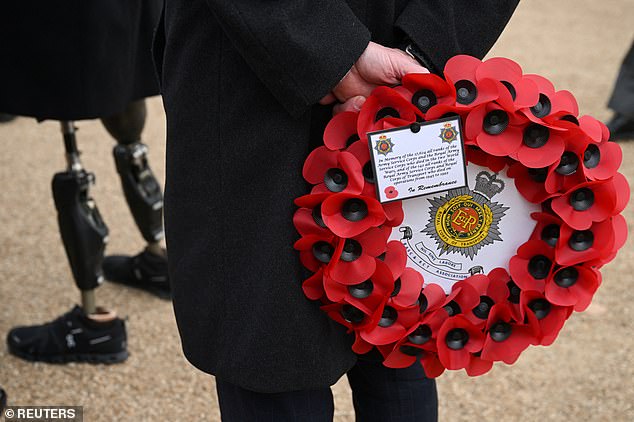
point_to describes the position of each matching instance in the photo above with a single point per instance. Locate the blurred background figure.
(622, 100)
(69, 61)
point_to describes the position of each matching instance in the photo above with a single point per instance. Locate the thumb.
(401, 64)
(351, 104)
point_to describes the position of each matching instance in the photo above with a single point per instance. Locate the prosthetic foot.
(147, 270)
(73, 337)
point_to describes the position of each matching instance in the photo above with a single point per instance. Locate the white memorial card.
(419, 159)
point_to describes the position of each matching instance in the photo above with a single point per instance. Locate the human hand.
(378, 65)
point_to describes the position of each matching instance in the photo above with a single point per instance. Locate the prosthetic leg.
(87, 333)
(83, 231)
(147, 270)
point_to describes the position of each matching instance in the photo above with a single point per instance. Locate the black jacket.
(240, 81)
(75, 59)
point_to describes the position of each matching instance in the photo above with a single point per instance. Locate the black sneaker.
(621, 127)
(73, 337)
(146, 271)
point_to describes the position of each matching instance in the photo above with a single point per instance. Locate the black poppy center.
(422, 303)
(453, 308)
(484, 307)
(550, 234)
(539, 267)
(352, 139)
(582, 199)
(336, 180)
(351, 250)
(542, 108)
(354, 209)
(538, 175)
(591, 156)
(568, 164)
(536, 136)
(514, 292)
(500, 331)
(466, 92)
(570, 118)
(581, 240)
(316, 213)
(424, 100)
(495, 122)
(457, 338)
(322, 251)
(567, 277)
(397, 287)
(352, 314)
(386, 112)
(388, 318)
(421, 335)
(540, 307)
(368, 172)
(361, 290)
(511, 89)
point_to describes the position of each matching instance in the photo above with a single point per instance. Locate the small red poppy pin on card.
(418, 159)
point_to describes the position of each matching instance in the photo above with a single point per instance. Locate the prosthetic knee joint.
(83, 231)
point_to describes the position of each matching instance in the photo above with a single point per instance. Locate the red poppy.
(568, 171)
(333, 171)
(457, 340)
(432, 298)
(541, 146)
(392, 326)
(505, 339)
(416, 342)
(309, 219)
(391, 192)
(426, 90)
(573, 286)
(576, 246)
(478, 366)
(349, 316)
(547, 228)
(532, 265)
(491, 292)
(354, 259)
(550, 102)
(470, 92)
(382, 103)
(463, 297)
(546, 318)
(407, 289)
(341, 131)
(530, 182)
(520, 91)
(349, 215)
(316, 250)
(368, 295)
(586, 203)
(601, 161)
(313, 286)
(619, 227)
(494, 130)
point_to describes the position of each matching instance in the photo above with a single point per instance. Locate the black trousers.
(379, 394)
(622, 99)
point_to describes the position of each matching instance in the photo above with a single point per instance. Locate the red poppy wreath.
(540, 217)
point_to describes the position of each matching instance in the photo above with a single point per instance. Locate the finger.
(328, 99)
(352, 104)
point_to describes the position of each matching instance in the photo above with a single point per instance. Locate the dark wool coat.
(75, 59)
(240, 81)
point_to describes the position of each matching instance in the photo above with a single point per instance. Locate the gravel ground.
(586, 375)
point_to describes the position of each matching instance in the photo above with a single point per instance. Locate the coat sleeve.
(300, 49)
(443, 28)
